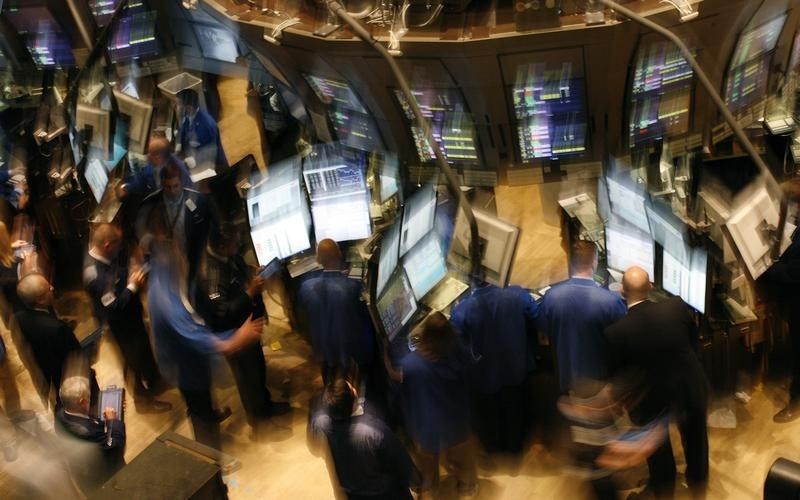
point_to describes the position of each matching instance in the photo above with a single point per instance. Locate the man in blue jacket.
(198, 133)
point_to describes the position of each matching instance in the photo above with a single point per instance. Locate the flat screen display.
(626, 247)
(342, 219)
(452, 126)
(387, 168)
(217, 43)
(47, 44)
(660, 93)
(668, 230)
(425, 265)
(686, 279)
(103, 10)
(748, 73)
(550, 108)
(418, 217)
(397, 305)
(628, 203)
(390, 253)
(133, 36)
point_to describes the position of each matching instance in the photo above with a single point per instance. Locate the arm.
(115, 431)
(105, 296)
(396, 374)
(248, 333)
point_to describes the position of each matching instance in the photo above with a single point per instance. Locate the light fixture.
(684, 7)
(189, 4)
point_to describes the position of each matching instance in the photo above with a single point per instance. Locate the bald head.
(158, 150)
(34, 291)
(106, 240)
(635, 285)
(328, 255)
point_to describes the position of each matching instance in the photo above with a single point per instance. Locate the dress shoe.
(279, 408)
(153, 406)
(789, 413)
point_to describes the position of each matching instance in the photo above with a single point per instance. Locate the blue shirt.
(574, 313)
(368, 457)
(200, 135)
(495, 324)
(435, 401)
(338, 320)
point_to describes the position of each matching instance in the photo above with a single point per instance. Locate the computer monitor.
(668, 230)
(334, 181)
(451, 124)
(627, 246)
(387, 171)
(687, 279)
(133, 36)
(418, 217)
(389, 255)
(660, 92)
(749, 69)
(217, 42)
(342, 219)
(98, 120)
(498, 243)
(397, 305)
(278, 213)
(103, 10)
(425, 265)
(44, 38)
(140, 115)
(549, 104)
(96, 177)
(628, 202)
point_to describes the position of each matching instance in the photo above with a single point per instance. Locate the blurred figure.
(498, 327)
(338, 321)
(97, 448)
(368, 460)
(227, 293)
(147, 179)
(11, 253)
(436, 406)
(185, 346)
(8, 382)
(177, 213)
(49, 339)
(114, 290)
(198, 133)
(659, 341)
(574, 314)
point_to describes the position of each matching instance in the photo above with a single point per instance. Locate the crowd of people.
(461, 384)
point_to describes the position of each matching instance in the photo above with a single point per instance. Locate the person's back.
(574, 313)
(495, 322)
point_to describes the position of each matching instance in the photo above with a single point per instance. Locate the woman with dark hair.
(436, 404)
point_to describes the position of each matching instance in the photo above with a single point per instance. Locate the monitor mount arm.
(772, 184)
(452, 181)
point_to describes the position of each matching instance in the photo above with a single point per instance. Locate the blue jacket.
(338, 320)
(435, 401)
(496, 325)
(574, 313)
(204, 133)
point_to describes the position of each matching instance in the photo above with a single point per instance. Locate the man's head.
(35, 291)
(224, 239)
(158, 150)
(188, 102)
(328, 255)
(635, 285)
(584, 258)
(171, 184)
(75, 394)
(107, 240)
(339, 398)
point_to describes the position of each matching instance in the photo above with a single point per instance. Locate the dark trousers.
(694, 436)
(250, 372)
(793, 319)
(500, 419)
(202, 415)
(661, 465)
(398, 494)
(137, 355)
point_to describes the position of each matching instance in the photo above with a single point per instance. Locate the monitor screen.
(102, 10)
(278, 214)
(397, 304)
(686, 279)
(390, 253)
(354, 125)
(425, 265)
(418, 217)
(626, 247)
(133, 36)
(660, 93)
(628, 203)
(96, 178)
(334, 181)
(748, 73)
(668, 230)
(217, 42)
(550, 108)
(387, 169)
(451, 125)
(498, 243)
(342, 219)
(47, 44)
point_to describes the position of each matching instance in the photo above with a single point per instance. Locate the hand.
(255, 285)
(24, 197)
(110, 413)
(136, 278)
(251, 329)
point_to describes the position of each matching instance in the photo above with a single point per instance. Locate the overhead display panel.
(549, 103)
(451, 123)
(103, 10)
(355, 127)
(48, 46)
(133, 36)
(217, 42)
(660, 93)
(748, 72)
